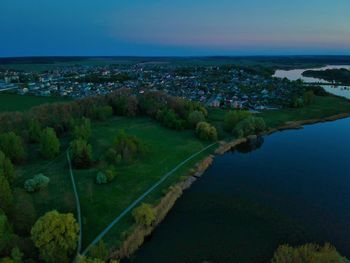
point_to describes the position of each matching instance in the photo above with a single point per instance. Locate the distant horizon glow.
(174, 28)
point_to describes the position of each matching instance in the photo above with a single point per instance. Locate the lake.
(288, 187)
(295, 74)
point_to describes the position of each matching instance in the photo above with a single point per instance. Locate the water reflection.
(252, 144)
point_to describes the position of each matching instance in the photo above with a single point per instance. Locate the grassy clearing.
(321, 108)
(15, 102)
(102, 203)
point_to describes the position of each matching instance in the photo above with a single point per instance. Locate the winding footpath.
(135, 203)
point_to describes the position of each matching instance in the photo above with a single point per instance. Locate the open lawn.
(102, 203)
(15, 102)
(321, 108)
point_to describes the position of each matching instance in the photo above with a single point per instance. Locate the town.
(224, 86)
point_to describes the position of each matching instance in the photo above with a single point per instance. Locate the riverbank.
(140, 233)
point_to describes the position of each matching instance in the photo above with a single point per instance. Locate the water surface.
(291, 187)
(295, 74)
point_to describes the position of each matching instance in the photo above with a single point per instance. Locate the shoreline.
(139, 233)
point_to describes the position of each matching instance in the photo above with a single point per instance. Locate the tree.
(195, 117)
(125, 148)
(6, 167)
(144, 215)
(38, 182)
(206, 132)
(12, 146)
(49, 143)
(232, 118)
(34, 130)
(102, 113)
(308, 97)
(249, 126)
(6, 235)
(6, 196)
(81, 153)
(309, 253)
(56, 236)
(83, 129)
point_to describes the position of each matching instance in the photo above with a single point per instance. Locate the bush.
(81, 153)
(126, 148)
(39, 182)
(111, 173)
(249, 126)
(101, 178)
(232, 118)
(144, 215)
(49, 143)
(206, 132)
(309, 253)
(195, 117)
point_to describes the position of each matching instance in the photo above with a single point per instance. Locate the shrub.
(232, 118)
(125, 148)
(195, 117)
(101, 178)
(81, 153)
(144, 215)
(49, 143)
(309, 253)
(206, 132)
(39, 181)
(111, 174)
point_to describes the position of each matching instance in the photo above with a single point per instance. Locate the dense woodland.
(331, 75)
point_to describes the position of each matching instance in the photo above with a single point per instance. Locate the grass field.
(102, 203)
(15, 102)
(321, 108)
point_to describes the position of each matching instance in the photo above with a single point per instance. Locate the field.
(100, 204)
(322, 107)
(15, 102)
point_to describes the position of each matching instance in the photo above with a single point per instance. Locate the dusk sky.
(180, 28)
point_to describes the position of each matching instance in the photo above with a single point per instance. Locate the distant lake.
(290, 187)
(295, 74)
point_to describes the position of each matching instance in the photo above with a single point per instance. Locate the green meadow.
(16, 102)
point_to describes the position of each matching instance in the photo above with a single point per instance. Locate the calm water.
(295, 74)
(294, 187)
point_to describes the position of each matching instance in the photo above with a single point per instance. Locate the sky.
(174, 27)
